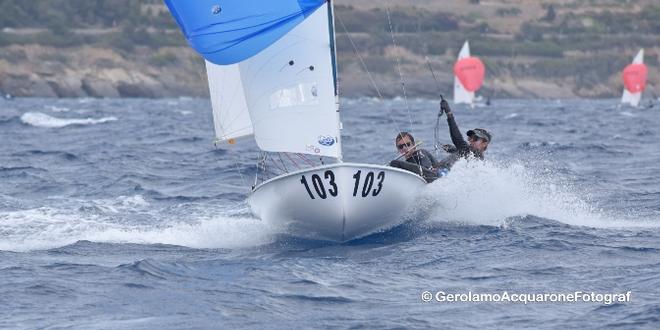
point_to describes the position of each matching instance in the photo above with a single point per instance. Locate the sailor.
(474, 148)
(418, 160)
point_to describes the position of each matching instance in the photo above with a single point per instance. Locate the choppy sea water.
(122, 214)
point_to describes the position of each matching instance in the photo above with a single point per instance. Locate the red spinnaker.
(470, 72)
(634, 77)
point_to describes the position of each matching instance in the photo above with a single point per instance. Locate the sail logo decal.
(312, 149)
(326, 140)
(216, 9)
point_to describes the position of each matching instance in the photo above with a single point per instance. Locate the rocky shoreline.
(40, 71)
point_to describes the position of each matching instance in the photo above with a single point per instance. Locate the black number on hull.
(333, 186)
(319, 187)
(381, 178)
(365, 188)
(304, 182)
(368, 183)
(356, 176)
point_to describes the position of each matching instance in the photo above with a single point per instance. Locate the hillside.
(132, 48)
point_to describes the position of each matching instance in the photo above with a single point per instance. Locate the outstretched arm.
(455, 133)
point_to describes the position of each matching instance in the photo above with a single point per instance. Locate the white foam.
(57, 109)
(487, 193)
(215, 232)
(39, 119)
(137, 200)
(105, 221)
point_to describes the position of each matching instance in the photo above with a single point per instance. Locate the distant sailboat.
(634, 80)
(469, 74)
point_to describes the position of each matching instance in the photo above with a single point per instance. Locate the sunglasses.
(403, 145)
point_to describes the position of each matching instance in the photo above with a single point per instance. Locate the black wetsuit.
(461, 148)
(421, 162)
(422, 158)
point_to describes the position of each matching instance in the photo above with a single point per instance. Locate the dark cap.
(480, 133)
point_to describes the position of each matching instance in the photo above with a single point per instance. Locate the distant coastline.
(531, 50)
(102, 73)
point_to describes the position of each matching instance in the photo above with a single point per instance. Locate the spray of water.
(475, 193)
(489, 193)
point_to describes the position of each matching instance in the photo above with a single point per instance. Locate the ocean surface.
(121, 214)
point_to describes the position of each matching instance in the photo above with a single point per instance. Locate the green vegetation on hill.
(71, 14)
(120, 23)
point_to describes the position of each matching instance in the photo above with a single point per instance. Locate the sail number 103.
(370, 185)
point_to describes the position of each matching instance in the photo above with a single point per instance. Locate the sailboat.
(469, 74)
(272, 76)
(634, 80)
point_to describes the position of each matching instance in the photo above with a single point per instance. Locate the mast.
(333, 55)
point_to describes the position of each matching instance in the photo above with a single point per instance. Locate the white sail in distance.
(633, 98)
(461, 95)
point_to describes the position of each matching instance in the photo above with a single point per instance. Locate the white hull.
(337, 202)
(631, 98)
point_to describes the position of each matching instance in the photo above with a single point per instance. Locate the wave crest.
(38, 119)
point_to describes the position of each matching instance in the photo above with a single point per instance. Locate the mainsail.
(280, 72)
(634, 80)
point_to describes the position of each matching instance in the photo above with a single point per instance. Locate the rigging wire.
(366, 69)
(364, 66)
(238, 168)
(309, 162)
(279, 154)
(272, 159)
(436, 130)
(398, 65)
(292, 160)
(261, 163)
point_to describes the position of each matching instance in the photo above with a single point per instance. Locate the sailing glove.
(444, 106)
(448, 148)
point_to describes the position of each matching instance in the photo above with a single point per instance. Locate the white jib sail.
(633, 98)
(461, 95)
(230, 114)
(290, 94)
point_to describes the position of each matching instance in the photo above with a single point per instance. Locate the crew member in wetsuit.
(475, 147)
(418, 160)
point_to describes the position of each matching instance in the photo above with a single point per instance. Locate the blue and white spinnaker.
(229, 31)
